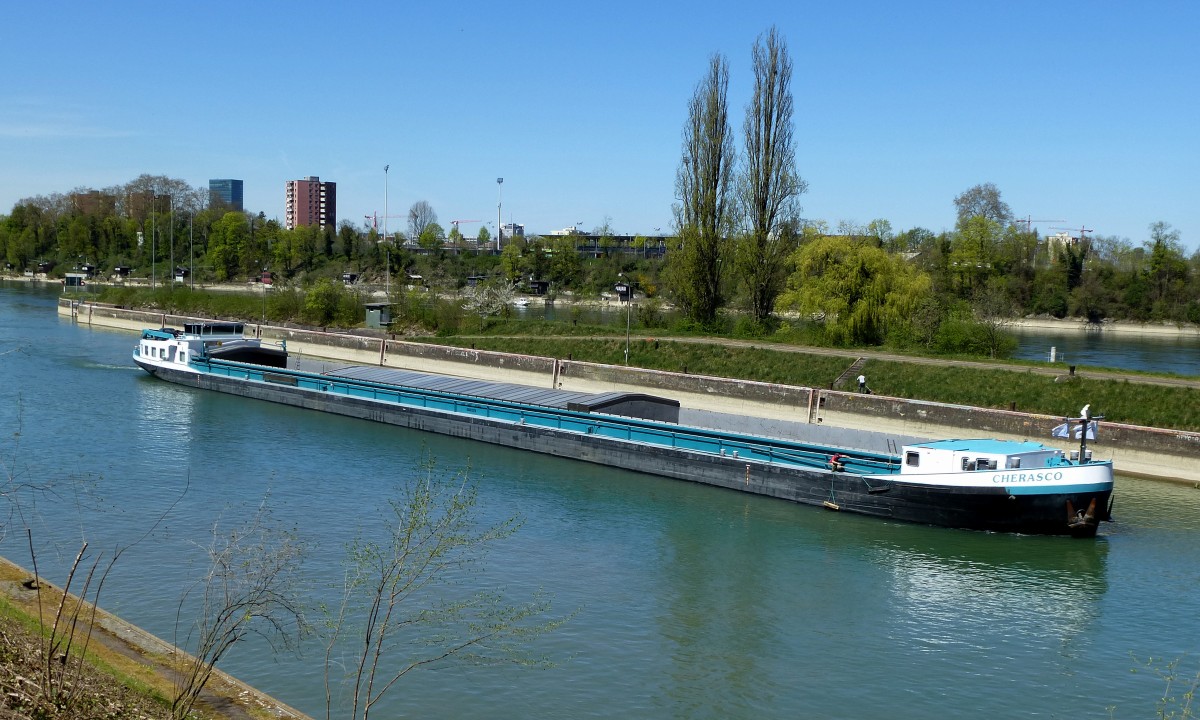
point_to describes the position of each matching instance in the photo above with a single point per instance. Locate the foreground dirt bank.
(137, 654)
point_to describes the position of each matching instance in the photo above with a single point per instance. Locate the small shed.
(349, 278)
(121, 271)
(75, 279)
(624, 291)
(539, 287)
(379, 315)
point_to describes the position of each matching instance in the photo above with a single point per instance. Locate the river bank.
(1031, 324)
(128, 653)
(1134, 450)
(1116, 327)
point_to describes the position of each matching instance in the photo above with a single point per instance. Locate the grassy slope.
(1118, 400)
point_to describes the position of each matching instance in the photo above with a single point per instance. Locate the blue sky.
(1083, 112)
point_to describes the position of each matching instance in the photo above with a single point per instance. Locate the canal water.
(1177, 354)
(684, 601)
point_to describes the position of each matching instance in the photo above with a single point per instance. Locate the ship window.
(1013, 463)
(912, 459)
(967, 465)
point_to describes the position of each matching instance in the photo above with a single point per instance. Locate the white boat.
(177, 349)
(980, 484)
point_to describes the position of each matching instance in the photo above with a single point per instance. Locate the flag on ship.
(1064, 430)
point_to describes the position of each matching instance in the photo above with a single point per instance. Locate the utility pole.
(624, 289)
(385, 194)
(499, 201)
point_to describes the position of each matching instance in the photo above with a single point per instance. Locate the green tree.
(348, 239)
(983, 201)
(973, 251)
(329, 303)
(510, 260)
(1167, 273)
(769, 186)
(420, 216)
(993, 313)
(858, 290)
(881, 230)
(703, 212)
(565, 266)
(916, 239)
(226, 244)
(432, 237)
(1092, 298)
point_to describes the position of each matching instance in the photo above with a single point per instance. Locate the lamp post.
(385, 194)
(171, 235)
(499, 202)
(623, 288)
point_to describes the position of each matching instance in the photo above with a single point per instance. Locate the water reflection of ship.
(1012, 585)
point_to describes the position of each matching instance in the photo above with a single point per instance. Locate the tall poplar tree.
(769, 186)
(703, 210)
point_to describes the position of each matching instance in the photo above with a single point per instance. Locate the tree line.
(741, 241)
(740, 244)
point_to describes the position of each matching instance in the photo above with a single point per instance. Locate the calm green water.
(690, 602)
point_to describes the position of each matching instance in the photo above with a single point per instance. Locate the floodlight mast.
(499, 202)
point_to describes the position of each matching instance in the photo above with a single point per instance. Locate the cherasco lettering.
(1020, 477)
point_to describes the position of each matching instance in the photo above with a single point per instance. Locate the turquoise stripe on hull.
(745, 447)
(1057, 489)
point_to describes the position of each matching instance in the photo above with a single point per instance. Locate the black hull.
(988, 509)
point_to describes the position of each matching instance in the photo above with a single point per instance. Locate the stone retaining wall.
(1152, 452)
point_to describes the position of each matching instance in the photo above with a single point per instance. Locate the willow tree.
(769, 186)
(702, 186)
(859, 291)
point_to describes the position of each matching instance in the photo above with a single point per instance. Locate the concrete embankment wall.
(1135, 450)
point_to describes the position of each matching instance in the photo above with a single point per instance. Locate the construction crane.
(1081, 230)
(1070, 239)
(374, 218)
(1028, 221)
(456, 223)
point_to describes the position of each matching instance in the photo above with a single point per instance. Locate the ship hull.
(1062, 511)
